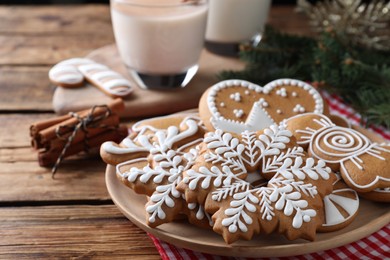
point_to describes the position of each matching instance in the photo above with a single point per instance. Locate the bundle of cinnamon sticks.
(70, 134)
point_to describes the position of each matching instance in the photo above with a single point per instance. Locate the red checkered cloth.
(375, 246)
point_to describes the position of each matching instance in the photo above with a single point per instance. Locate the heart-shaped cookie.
(238, 105)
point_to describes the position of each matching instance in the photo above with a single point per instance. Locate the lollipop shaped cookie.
(364, 165)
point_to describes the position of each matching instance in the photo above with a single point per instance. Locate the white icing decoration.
(143, 126)
(283, 192)
(238, 113)
(299, 109)
(290, 169)
(222, 104)
(383, 190)
(279, 111)
(164, 195)
(168, 165)
(339, 145)
(247, 92)
(112, 148)
(285, 196)
(333, 216)
(294, 94)
(281, 92)
(258, 117)
(65, 75)
(236, 97)
(66, 72)
(129, 146)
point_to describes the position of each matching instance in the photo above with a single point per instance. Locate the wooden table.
(72, 215)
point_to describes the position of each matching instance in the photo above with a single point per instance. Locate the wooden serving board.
(371, 217)
(145, 103)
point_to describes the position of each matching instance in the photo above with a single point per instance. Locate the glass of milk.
(160, 41)
(231, 22)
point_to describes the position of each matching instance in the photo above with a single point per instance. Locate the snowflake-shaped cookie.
(153, 161)
(221, 180)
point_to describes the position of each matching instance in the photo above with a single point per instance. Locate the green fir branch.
(360, 76)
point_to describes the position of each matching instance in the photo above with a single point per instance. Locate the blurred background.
(44, 2)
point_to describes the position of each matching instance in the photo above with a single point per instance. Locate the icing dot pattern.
(299, 109)
(282, 92)
(236, 97)
(238, 113)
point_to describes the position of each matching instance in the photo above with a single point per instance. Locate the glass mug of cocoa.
(160, 41)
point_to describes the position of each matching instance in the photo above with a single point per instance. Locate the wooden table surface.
(71, 216)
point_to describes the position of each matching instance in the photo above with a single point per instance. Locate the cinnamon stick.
(49, 133)
(38, 126)
(42, 142)
(49, 158)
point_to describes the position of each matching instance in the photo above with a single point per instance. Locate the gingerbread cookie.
(66, 74)
(153, 160)
(107, 80)
(363, 164)
(73, 72)
(237, 105)
(340, 207)
(140, 141)
(222, 178)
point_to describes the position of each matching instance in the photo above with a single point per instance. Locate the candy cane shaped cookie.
(108, 81)
(66, 74)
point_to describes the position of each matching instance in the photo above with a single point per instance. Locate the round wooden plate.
(372, 216)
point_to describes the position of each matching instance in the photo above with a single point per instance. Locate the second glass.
(232, 22)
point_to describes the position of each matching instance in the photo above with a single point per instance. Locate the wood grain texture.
(15, 128)
(47, 49)
(25, 88)
(56, 20)
(76, 180)
(31, 35)
(64, 232)
(79, 178)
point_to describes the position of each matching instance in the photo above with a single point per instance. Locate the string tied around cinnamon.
(84, 123)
